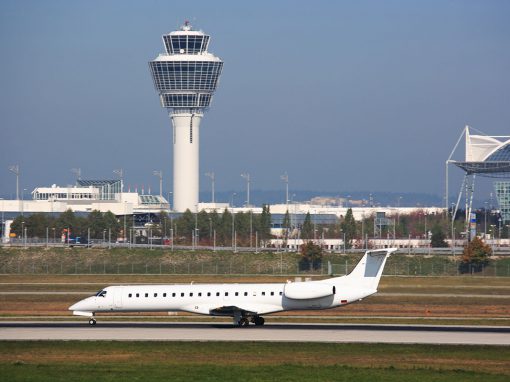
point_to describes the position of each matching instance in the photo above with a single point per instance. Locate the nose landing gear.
(92, 322)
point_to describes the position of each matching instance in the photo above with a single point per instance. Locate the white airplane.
(244, 302)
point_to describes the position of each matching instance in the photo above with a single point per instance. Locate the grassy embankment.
(220, 361)
(164, 261)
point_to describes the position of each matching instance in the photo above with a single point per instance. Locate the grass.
(202, 262)
(220, 361)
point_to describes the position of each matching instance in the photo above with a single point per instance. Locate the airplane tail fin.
(368, 271)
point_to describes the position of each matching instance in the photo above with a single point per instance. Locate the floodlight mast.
(15, 170)
(186, 77)
(213, 179)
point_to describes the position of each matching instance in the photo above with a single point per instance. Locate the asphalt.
(291, 332)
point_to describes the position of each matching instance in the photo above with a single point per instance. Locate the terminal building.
(84, 197)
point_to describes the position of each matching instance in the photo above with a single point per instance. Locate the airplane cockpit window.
(101, 293)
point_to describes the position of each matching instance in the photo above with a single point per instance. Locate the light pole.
(485, 222)
(213, 178)
(210, 229)
(499, 231)
(15, 170)
(2, 226)
(398, 209)
(23, 201)
(247, 177)
(285, 178)
(233, 218)
(77, 172)
(159, 173)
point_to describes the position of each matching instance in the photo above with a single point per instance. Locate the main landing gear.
(258, 321)
(92, 322)
(245, 321)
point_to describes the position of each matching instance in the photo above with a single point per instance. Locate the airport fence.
(396, 266)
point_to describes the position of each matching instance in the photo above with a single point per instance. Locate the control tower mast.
(186, 77)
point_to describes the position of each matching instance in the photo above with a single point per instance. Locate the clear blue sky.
(343, 95)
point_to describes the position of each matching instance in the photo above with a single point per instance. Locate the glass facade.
(501, 155)
(107, 188)
(186, 44)
(185, 100)
(503, 196)
(187, 76)
(190, 75)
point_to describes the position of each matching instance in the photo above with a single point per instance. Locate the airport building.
(84, 197)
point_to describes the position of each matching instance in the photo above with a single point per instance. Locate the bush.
(311, 256)
(475, 256)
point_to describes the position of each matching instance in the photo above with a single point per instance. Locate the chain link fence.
(396, 266)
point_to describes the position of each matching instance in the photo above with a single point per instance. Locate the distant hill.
(258, 197)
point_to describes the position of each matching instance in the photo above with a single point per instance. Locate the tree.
(307, 229)
(311, 256)
(68, 221)
(437, 240)
(225, 228)
(264, 223)
(96, 224)
(349, 228)
(474, 256)
(186, 224)
(112, 224)
(286, 225)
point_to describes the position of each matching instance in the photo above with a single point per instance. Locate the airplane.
(245, 303)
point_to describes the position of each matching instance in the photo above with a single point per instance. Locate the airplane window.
(272, 293)
(101, 293)
(263, 293)
(281, 293)
(173, 294)
(226, 293)
(237, 293)
(146, 295)
(155, 295)
(199, 294)
(164, 294)
(138, 295)
(217, 293)
(246, 293)
(191, 294)
(208, 294)
(129, 295)
(182, 294)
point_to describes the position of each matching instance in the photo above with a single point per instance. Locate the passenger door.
(117, 298)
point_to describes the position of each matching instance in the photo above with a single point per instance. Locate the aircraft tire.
(258, 321)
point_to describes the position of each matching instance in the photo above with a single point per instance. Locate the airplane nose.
(78, 306)
(74, 306)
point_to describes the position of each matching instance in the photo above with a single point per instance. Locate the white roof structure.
(479, 148)
(485, 155)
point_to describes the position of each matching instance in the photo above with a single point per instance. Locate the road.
(136, 331)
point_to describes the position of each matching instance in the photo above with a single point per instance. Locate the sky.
(341, 95)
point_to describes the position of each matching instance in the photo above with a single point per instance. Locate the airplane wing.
(230, 310)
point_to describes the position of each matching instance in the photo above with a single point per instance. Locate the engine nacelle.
(308, 290)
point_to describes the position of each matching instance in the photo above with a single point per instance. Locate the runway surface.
(187, 331)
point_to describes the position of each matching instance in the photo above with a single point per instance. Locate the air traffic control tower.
(186, 77)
